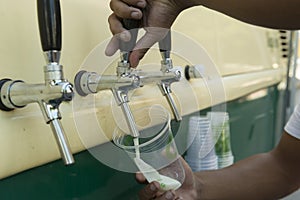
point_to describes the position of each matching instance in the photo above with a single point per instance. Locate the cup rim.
(166, 125)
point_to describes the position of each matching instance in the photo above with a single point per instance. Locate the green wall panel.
(252, 125)
(87, 179)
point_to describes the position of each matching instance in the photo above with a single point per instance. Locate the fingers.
(116, 27)
(149, 192)
(151, 36)
(137, 3)
(140, 178)
(169, 195)
(112, 46)
(127, 8)
(122, 10)
(136, 56)
(152, 191)
(119, 32)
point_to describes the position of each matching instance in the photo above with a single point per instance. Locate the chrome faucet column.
(121, 83)
(167, 67)
(124, 71)
(55, 90)
(90, 82)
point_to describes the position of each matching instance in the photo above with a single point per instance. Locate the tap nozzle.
(52, 117)
(122, 100)
(165, 87)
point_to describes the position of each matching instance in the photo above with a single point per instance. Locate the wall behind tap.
(242, 53)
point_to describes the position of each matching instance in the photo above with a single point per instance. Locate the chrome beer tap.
(55, 90)
(121, 83)
(167, 67)
(124, 71)
(127, 79)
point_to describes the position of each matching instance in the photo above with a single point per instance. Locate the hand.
(157, 17)
(187, 191)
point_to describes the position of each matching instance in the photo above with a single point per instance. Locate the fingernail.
(141, 4)
(135, 15)
(153, 187)
(169, 195)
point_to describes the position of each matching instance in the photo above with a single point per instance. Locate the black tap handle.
(49, 18)
(165, 43)
(132, 26)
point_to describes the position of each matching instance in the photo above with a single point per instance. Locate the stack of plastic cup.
(221, 133)
(201, 154)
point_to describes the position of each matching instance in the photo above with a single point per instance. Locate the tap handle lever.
(165, 51)
(165, 44)
(132, 26)
(124, 67)
(49, 18)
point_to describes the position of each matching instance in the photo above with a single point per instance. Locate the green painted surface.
(87, 179)
(253, 125)
(252, 120)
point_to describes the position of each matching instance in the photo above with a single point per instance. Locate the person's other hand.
(156, 16)
(187, 191)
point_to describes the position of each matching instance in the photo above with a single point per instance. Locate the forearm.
(280, 14)
(259, 177)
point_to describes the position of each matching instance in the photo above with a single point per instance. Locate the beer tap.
(125, 81)
(124, 71)
(55, 90)
(167, 67)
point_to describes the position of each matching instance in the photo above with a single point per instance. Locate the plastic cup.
(221, 131)
(156, 146)
(201, 154)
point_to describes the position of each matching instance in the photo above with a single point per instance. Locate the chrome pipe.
(62, 142)
(52, 116)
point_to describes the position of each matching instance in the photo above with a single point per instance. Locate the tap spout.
(52, 117)
(62, 142)
(122, 100)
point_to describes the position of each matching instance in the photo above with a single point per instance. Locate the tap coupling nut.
(166, 65)
(123, 68)
(67, 91)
